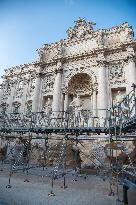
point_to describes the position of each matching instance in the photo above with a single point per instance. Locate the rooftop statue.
(81, 28)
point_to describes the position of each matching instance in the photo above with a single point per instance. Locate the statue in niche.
(76, 103)
(29, 107)
(20, 86)
(16, 107)
(119, 97)
(4, 107)
(47, 107)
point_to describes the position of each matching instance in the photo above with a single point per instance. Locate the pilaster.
(130, 72)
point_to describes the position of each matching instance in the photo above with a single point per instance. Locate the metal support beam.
(125, 196)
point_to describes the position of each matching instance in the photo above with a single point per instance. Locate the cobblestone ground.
(90, 191)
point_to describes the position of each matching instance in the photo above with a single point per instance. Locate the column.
(102, 90)
(66, 102)
(36, 97)
(131, 73)
(23, 106)
(10, 101)
(56, 104)
(94, 103)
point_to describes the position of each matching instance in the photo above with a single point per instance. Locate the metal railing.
(51, 120)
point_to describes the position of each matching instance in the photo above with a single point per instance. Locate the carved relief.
(19, 90)
(80, 82)
(30, 88)
(4, 106)
(6, 91)
(79, 70)
(81, 28)
(47, 83)
(117, 75)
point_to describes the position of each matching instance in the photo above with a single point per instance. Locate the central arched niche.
(81, 84)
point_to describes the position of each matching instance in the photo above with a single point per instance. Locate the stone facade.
(93, 69)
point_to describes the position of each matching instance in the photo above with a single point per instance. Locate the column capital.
(101, 63)
(130, 55)
(58, 70)
(38, 75)
(129, 59)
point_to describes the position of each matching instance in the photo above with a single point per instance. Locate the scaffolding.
(116, 129)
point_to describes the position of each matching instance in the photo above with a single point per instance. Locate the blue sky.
(27, 24)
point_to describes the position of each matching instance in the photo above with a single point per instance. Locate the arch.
(80, 82)
(80, 71)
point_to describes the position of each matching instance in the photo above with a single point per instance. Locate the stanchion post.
(125, 196)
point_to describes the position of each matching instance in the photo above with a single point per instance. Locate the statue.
(47, 107)
(41, 54)
(77, 107)
(118, 98)
(76, 104)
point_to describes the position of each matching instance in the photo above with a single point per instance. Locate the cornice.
(11, 72)
(93, 53)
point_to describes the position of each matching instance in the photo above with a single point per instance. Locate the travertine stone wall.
(93, 64)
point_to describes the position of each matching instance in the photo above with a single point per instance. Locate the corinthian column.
(37, 91)
(102, 89)
(56, 104)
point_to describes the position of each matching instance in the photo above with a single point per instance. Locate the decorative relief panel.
(47, 83)
(82, 47)
(19, 90)
(30, 88)
(83, 64)
(80, 82)
(6, 91)
(117, 74)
